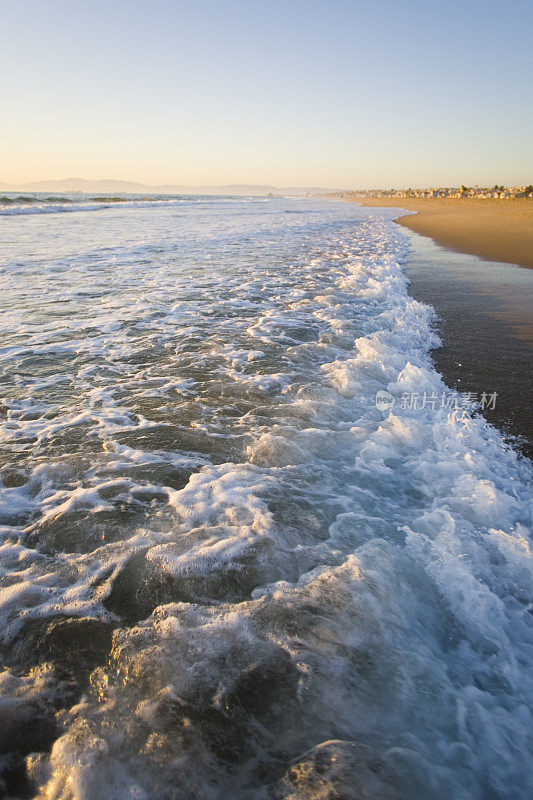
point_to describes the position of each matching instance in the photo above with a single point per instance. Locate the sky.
(332, 93)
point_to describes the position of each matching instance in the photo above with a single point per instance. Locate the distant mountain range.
(131, 187)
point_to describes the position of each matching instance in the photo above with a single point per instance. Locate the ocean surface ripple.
(225, 573)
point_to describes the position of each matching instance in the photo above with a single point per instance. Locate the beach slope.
(498, 230)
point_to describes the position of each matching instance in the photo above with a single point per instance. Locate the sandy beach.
(498, 230)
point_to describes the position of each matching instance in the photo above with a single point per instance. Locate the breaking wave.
(40, 203)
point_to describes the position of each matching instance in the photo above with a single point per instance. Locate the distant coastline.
(497, 230)
(105, 186)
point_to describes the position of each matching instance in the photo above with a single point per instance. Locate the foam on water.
(225, 572)
(14, 203)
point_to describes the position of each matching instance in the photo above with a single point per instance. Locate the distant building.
(479, 193)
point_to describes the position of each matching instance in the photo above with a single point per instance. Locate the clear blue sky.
(302, 92)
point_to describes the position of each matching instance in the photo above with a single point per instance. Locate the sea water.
(226, 570)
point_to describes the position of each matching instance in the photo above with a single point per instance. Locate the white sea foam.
(42, 203)
(308, 595)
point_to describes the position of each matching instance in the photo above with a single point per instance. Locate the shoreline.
(471, 260)
(484, 322)
(495, 230)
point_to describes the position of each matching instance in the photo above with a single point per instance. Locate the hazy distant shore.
(132, 187)
(498, 230)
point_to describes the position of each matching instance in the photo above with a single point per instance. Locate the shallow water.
(226, 573)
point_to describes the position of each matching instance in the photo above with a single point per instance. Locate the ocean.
(252, 546)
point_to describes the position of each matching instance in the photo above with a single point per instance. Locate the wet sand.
(498, 230)
(486, 326)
